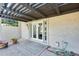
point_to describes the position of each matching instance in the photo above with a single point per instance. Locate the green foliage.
(10, 22)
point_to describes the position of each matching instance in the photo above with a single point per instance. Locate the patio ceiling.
(34, 11)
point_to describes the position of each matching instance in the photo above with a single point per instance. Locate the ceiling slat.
(36, 4)
(34, 10)
(13, 17)
(40, 5)
(18, 12)
(15, 5)
(19, 7)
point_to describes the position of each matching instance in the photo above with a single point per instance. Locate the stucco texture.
(65, 28)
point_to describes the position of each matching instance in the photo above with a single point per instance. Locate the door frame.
(36, 24)
(40, 41)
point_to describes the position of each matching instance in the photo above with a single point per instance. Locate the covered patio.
(39, 29)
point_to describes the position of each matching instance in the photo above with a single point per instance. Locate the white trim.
(36, 23)
(47, 31)
(41, 41)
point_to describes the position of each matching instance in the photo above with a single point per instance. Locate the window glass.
(34, 31)
(45, 30)
(9, 22)
(40, 30)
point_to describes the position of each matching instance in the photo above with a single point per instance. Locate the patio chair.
(3, 44)
(60, 50)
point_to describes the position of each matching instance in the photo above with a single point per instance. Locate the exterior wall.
(0, 28)
(60, 28)
(65, 28)
(24, 30)
(9, 32)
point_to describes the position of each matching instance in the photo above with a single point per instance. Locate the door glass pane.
(40, 31)
(45, 30)
(34, 31)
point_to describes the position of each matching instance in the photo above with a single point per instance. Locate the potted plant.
(14, 40)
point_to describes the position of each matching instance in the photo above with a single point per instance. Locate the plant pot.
(14, 41)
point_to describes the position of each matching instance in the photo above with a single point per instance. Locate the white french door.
(37, 31)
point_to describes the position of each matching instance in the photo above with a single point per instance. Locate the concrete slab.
(47, 53)
(25, 48)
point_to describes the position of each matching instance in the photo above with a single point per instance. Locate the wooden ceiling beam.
(62, 4)
(13, 17)
(17, 12)
(57, 9)
(33, 9)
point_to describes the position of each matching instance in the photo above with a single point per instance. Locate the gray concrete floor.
(26, 48)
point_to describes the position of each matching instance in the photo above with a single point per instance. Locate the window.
(45, 29)
(9, 22)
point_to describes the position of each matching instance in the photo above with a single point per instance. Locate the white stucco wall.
(24, 31)
(0, 28)
(9, 32)
(65, 28)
